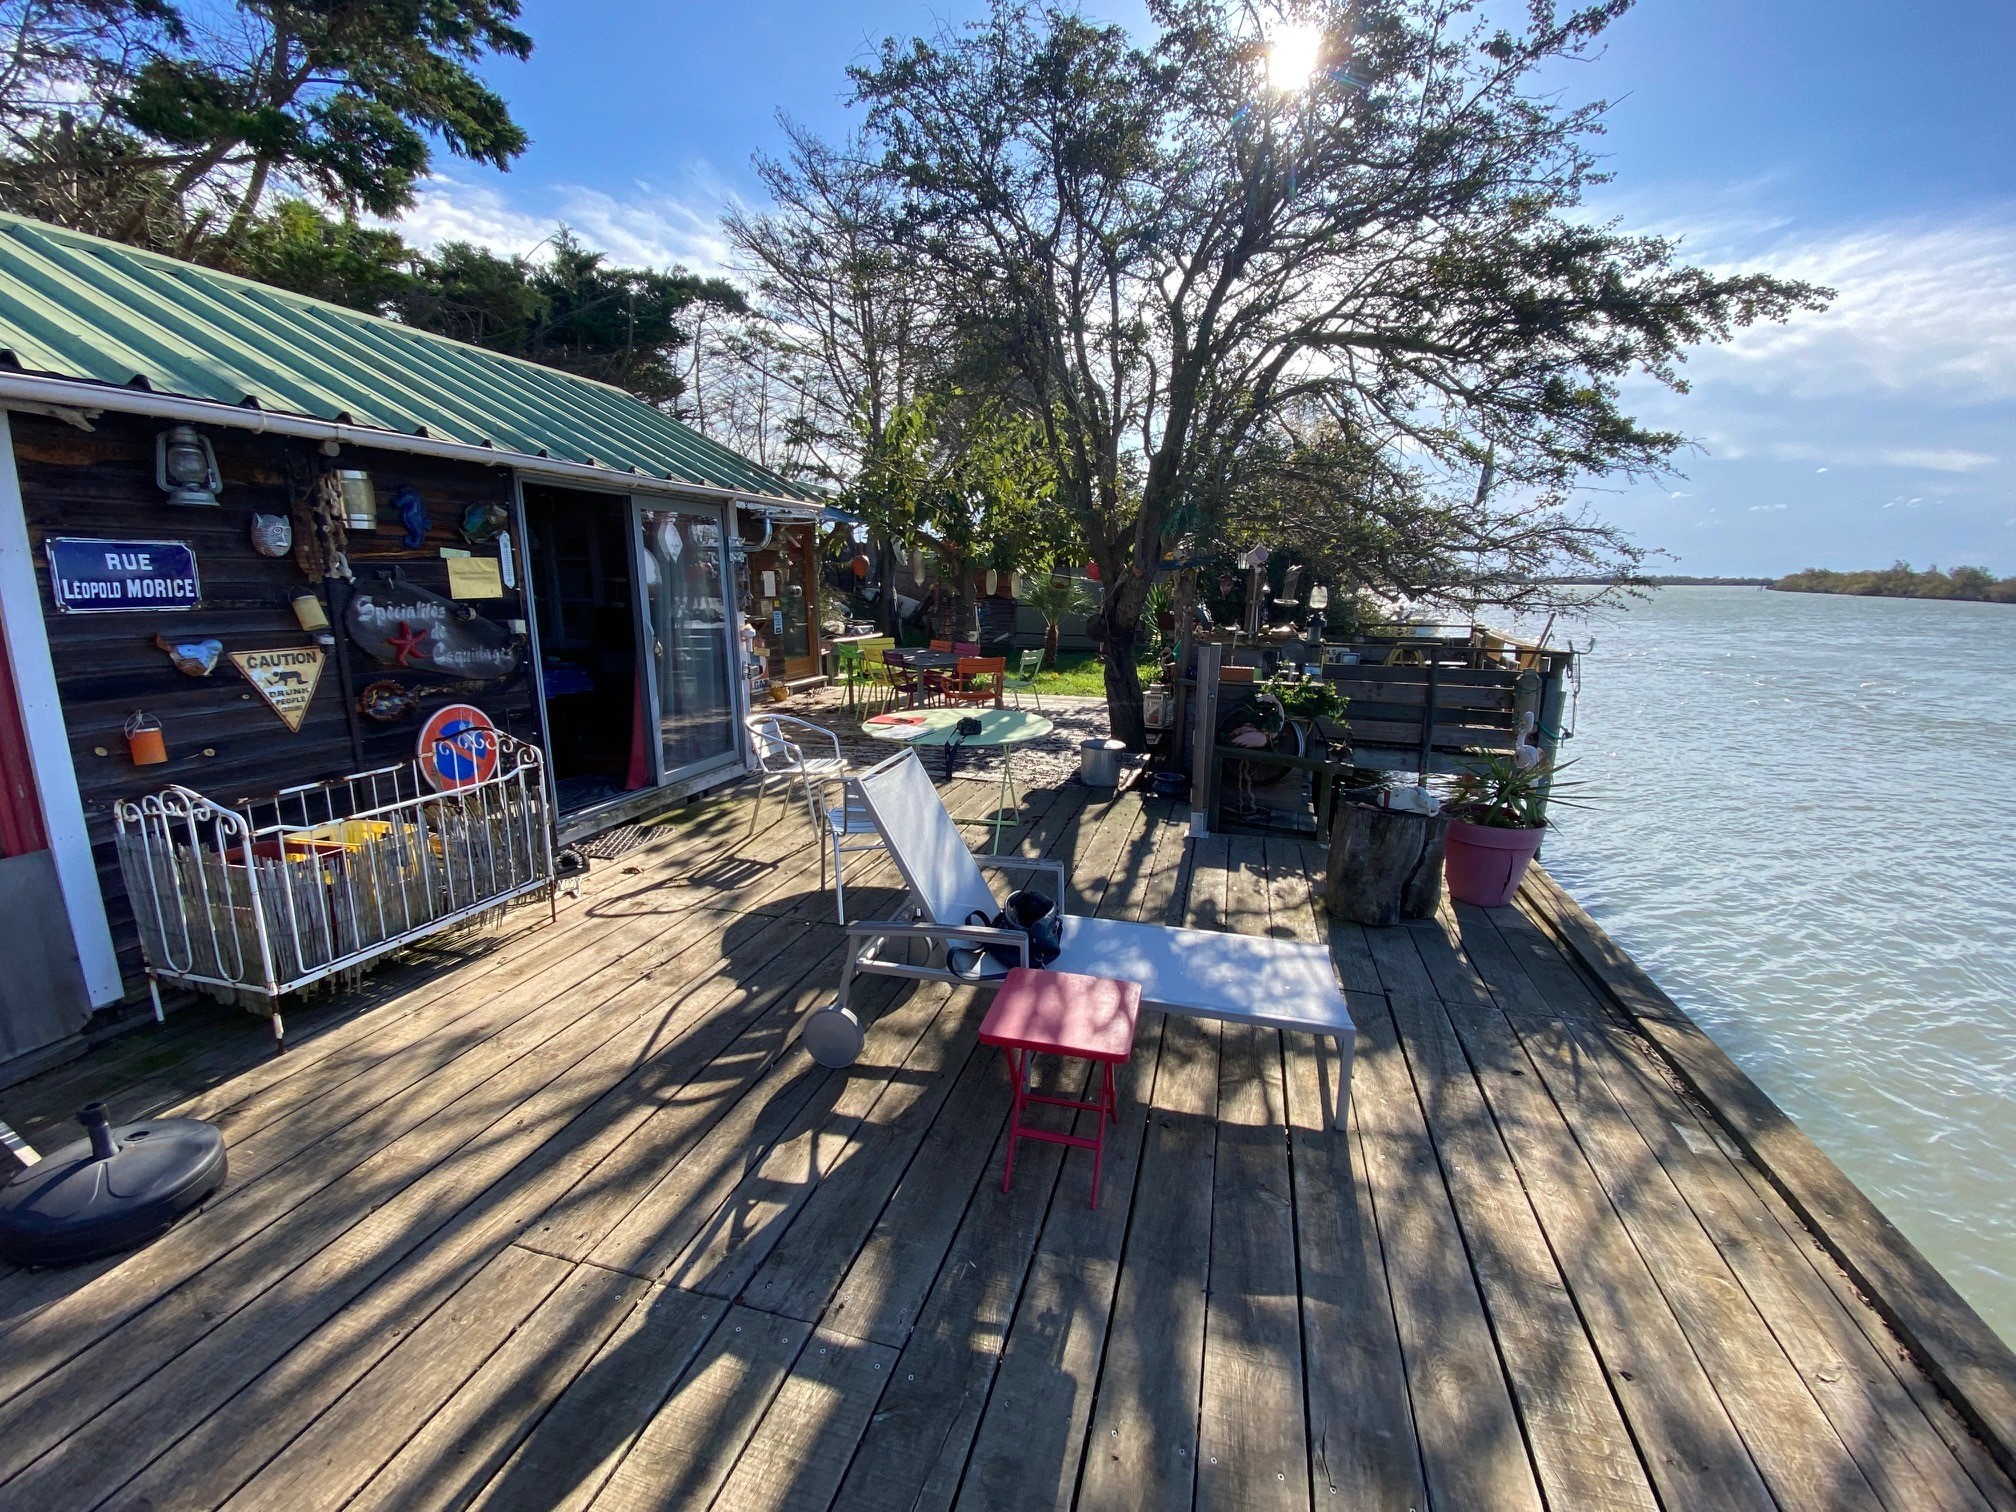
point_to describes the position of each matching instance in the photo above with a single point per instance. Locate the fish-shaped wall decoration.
(192, 658)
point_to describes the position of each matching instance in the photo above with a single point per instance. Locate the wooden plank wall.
(1474, 709)
(222, 738)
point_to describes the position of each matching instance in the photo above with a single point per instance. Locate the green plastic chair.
(1024, 680)
(850, 668)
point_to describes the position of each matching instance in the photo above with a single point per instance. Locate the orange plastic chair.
(973, 668)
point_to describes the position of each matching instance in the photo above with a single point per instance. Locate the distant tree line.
(1899, 580)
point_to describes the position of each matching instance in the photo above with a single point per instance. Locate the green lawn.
(1082, 674)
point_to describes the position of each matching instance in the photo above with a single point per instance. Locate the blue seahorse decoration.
(413, 515)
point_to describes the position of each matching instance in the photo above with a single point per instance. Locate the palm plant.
(1053, 596)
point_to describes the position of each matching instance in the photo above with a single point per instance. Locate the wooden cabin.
(251, 541)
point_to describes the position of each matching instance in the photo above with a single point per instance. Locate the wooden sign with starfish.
(406, 626)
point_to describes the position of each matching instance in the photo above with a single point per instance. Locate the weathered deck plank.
(1363, 1451)
(1790, 1439)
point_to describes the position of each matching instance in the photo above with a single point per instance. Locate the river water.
(1804, 827)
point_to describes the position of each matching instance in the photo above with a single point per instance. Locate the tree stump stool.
(1385, 865)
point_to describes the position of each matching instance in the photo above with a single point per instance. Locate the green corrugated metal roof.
(73, 306)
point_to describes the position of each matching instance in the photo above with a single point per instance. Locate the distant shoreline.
(1973, 585)
(1666, 581)
(1969, 585)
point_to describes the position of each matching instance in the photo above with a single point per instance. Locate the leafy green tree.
(1900, 580)
(1166, 250)
(972, 480)
(572, 310)
(295, 246)
(64, 155)
(1361, 517)
(167, 125)
(339, 97)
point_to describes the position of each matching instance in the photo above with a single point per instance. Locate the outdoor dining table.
(1006, 728)
(923, 661)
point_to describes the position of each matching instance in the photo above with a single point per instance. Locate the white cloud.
(1921, 309)
(1936, 459)
(447, 210)
(1676, 494)
(652, 228)
(1764, 508)
(1819, 469)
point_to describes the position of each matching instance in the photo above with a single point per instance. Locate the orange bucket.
(144, 740)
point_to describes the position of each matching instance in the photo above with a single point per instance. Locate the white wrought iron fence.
(258, 900)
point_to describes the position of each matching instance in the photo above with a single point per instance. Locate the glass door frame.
(736, 758)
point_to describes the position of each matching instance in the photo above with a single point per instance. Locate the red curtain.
(20, 807)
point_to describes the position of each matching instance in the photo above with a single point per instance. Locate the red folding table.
(1061, 1013)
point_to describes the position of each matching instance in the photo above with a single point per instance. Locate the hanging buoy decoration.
(993, 582)
(144, 741)
(309, 613)
(1092, 571)
(860, 566)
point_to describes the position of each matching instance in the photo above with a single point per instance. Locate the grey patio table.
(1006, 728)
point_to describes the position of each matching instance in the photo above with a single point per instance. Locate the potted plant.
(1307, 702)
(1498, 814)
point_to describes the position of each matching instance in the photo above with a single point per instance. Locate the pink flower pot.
(1484, 865)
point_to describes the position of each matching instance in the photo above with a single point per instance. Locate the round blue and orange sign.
(458, 747)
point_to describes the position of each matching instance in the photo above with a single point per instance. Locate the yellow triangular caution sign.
(285, 678)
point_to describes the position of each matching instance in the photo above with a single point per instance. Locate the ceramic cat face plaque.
(272, 535)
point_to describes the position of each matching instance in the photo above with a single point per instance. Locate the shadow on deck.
(560, 1216)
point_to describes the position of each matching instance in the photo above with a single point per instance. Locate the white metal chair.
(843, 828)
(1283, 984)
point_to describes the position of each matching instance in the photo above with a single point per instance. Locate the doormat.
(611, 843)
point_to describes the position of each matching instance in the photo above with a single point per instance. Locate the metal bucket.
(1099, 762)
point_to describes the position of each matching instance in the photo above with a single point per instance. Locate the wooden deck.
(561, 1217)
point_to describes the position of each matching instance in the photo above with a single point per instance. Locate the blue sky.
(1868, 147)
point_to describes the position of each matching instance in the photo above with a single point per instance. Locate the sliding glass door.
(689, 634)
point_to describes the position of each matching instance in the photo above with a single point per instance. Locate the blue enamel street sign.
(103, 576)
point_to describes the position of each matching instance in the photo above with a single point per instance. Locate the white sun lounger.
(1243, 979)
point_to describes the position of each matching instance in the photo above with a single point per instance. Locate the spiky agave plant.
(1500, 794)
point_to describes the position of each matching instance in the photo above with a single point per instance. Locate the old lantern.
(184, 466)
